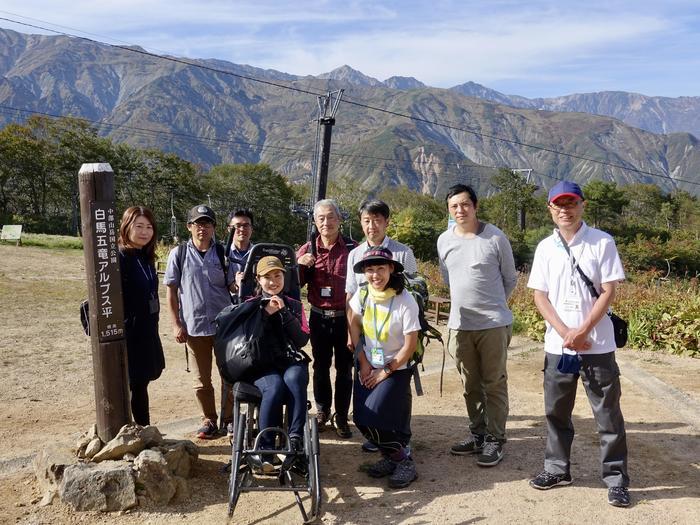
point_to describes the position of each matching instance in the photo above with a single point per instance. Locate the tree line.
(40, 158)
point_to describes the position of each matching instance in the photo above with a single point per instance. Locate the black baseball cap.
(199, 212)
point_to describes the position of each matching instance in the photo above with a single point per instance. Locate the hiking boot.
(208, 430)
(544, 480)
(382, 468)
(619, 497)
(322, 420)
(404, 474)
(342, 429)
(492, 453)
(472, 445)
(368, 446)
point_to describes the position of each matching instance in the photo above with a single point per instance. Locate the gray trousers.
(601, 379)
(480, 357)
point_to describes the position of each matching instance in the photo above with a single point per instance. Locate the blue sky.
(529, 48)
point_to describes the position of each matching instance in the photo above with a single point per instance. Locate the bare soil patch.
(46, 394)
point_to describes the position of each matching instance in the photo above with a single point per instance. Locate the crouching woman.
(384, 323)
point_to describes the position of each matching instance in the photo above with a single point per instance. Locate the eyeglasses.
(465, 205)
(565, 206)
(244, 226)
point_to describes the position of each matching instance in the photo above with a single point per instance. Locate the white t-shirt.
(403, 320)
(553, 273)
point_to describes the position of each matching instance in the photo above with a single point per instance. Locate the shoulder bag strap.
(586, 280)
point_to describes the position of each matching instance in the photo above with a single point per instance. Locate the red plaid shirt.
(330, 269)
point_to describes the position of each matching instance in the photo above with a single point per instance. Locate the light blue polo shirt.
(202, 290)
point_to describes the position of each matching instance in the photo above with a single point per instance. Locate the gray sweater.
(481, 275)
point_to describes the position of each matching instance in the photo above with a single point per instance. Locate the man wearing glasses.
(197, 290)
(240, 222)
(579, 341)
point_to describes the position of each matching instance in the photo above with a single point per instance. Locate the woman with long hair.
(385, 325)
(137, 255)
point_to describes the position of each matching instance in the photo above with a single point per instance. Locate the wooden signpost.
(109, 361)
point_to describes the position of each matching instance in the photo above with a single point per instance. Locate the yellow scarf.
(369, 323)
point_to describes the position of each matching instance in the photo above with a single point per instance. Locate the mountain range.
(212, 111)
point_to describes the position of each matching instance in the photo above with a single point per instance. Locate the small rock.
(93, 448)
(49, 466)
(153, 474)
(151, 436)
(129, 457)
(128, 440)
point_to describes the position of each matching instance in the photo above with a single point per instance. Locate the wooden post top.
(95, 167)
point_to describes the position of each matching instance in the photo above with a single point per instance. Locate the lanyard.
(374, 320)
(149, 276)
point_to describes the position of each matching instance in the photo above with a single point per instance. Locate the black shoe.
(342, 429)
(322, 420)
(492, 453)
(472, 445)
(619, 497)
(544, 480)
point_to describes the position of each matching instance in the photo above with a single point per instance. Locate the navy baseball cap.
(565, 188)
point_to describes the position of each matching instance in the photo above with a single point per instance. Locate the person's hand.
(239, 279)
(306, 260)
(274, 305)
(180, 333)
(576, 339)
(349, 344)
(376, 376)
(365, 371)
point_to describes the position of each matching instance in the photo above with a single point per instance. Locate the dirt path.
(46, 394)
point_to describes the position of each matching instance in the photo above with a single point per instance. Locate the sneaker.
(619, 497)
(492, 453)
(368, 446)
(404, 474)
(229, 430)
(208, 430)
(297, 443)
(322, 420)
(382, 468)
(544, 480)
(342, 429)
(472, 445)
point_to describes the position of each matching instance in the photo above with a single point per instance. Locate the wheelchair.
(299, 471)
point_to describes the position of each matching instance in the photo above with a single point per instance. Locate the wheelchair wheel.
(312, 447)
(239, 472)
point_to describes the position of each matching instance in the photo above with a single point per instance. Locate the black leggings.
(139, 402)
(389, 441)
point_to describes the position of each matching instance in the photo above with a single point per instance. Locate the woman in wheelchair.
(385, 324)
(286, 378)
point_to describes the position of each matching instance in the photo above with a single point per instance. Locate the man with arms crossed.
(476, 262)
(579, 341)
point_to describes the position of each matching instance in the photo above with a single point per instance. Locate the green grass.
(44, 240)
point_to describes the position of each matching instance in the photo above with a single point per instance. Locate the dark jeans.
(329, 336)
(389, 442)
(601, 379)
(139, 402)
(279, 389)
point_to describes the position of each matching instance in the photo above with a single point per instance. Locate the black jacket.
(139, 288)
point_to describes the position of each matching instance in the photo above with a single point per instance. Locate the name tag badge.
(377, 356)
(572, 304)
(326, 291)
(153, 305)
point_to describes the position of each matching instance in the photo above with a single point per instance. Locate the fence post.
(109, 362)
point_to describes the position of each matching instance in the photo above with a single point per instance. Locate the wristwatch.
(387, 370)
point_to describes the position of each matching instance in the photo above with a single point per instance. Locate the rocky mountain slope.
(209, 116)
